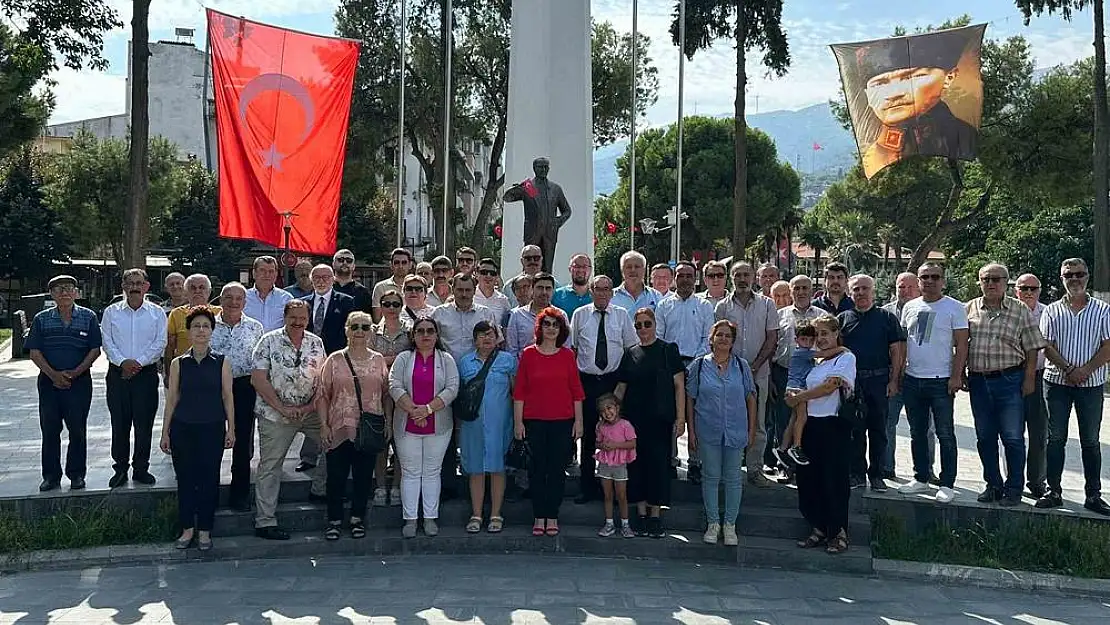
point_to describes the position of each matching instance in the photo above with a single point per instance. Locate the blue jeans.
(999, 412)
(1088, 413)
(721, 464)
(929, 405)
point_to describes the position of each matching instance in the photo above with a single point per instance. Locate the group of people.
(760, 375)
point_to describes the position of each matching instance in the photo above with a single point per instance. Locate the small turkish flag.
(283, 100)
(610, 227)
(817, 146)
(497, 230)
(530, 188)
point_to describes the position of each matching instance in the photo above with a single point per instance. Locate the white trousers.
(421, 464)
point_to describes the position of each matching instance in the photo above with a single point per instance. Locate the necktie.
(318, 318)
(601, 349)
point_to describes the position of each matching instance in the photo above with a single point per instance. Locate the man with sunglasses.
(713, 274)
(465, 259)
(1077, 328)
(343, 264)
(488, 295)
(531, 261)
(64, 341)
(1002, 368)
(400, 262)
(439, 289)
(1027, 289)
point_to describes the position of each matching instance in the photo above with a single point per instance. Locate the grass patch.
(5, 334)
(1043, 544)
(89, 527)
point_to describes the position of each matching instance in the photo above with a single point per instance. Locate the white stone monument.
(551, 114)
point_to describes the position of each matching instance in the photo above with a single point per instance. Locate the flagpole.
(204, 102)
(681, 125)
(448, 41)
(632, 178)
(401, 129)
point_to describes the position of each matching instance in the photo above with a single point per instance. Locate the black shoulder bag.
(370, 434)
(852, 409)
(468, 403)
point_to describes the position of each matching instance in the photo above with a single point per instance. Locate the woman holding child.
(717, 385)
(823, 489)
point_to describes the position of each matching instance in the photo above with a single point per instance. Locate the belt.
(997, 374)
(153, 367)
(871, 373)
(594, 376)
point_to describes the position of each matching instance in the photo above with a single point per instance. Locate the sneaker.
(430, 527)
(626, 531)
(409, 530)
(574, 469)
(1051, 499)
(655, 527)
(1010, 499)
(798, 455)
(379, 497)
(989, 495)
(712, 533)
(607, 530)
(759, 480)
(857, 481)
(878, 485)
(641, 526)
(782, 458)
(913, 487)
(945, 495)
(395, 497)
(729, 531)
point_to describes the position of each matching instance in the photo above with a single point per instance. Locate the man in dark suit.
(327, 319)
(545, 209)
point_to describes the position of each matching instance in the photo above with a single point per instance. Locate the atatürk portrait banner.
(916, 95)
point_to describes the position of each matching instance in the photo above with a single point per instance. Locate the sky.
(811, 25)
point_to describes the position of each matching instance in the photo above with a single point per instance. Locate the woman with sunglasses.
(391, 337)
(423, 382)
(651, 388)
(416, 298)
(547, 412)
(340, 399)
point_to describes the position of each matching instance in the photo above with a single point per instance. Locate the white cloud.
(169, 14)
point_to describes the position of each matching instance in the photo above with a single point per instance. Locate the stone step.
(755, 521)
(754, 551)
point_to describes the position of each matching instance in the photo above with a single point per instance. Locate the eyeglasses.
(549, 323)
(365, 327)
(991, 279)
(391, 304)
(929, 276)
(530, 258)
(487, 272)
(1074, 275)
(65, 288)
(400, 261)
(640, 325)
(425, 331)
(344, 259)
(1025, 288)
(414, 289)
(714, 276)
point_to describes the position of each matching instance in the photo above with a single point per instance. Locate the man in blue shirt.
(633, 294)
(573, 296)
(64, 342)
(834, 300)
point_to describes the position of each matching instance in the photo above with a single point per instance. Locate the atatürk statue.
(545, 209)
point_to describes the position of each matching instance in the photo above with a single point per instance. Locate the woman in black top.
(652, 387)
(198, 425)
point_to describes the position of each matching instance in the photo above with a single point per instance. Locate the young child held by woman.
(801, 363)
(616, 447)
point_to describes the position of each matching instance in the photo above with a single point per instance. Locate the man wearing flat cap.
(904, 80)
(64, 342)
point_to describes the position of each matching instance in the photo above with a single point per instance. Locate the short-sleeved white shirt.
(842, 366)
(929, 328)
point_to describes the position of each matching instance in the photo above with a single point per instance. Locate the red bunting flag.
(283, 100)
(610, 227)
(817, 146)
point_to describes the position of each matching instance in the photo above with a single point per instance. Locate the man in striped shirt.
(1077, 328)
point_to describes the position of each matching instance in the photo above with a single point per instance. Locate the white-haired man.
(633, 294)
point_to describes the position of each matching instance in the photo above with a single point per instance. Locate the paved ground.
(20, 441)
(489, 590)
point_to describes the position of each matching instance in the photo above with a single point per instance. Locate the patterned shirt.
(292, 372)
(237, 343)
(337, 389)
(752, 324)
(391, 345)
(270, 312)
(1077, 336)
(64, 346)
(1000, 336)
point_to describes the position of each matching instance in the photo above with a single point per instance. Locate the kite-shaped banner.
(283, 101)
(916, 95)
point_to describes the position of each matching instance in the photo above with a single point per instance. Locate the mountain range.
(795, 134)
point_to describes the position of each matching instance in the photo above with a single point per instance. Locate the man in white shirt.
(600, 332)
(487, 294)
(265, 301)
(400, 261)
(936, 356)
(134, 335)
(1027, 288)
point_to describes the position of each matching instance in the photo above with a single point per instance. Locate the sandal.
(474, 525)
(538, 528)
(358, 529)
(552, 530)
(813, 540)
(839, 544)
(496, 524)
(332, 533)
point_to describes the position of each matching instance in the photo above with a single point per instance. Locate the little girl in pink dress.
(616, 447)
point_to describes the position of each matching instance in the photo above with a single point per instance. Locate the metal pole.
(632, 179)
(204, 104)
(681, 125)
(403, 44)
(448, 41)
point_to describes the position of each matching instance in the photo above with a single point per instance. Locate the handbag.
(468, 403)
(852, 410)
(519, 455)
(370, 433)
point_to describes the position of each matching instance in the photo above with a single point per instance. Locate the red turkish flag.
(283, 100)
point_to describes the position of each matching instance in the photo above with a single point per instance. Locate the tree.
(751, 25)
(22, 113)
(89, 186)
(193, 228)
(134, 249)
(773, 187)
(481, 79)
(1100, 279)
(31, 232)
(611, 54)
(367, 228)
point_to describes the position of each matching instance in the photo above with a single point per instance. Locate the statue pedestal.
(551, 114)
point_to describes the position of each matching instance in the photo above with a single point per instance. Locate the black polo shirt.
(357, 290)
(869, 336)
(826, 304)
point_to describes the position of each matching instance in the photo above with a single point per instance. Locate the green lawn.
(5, 334)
